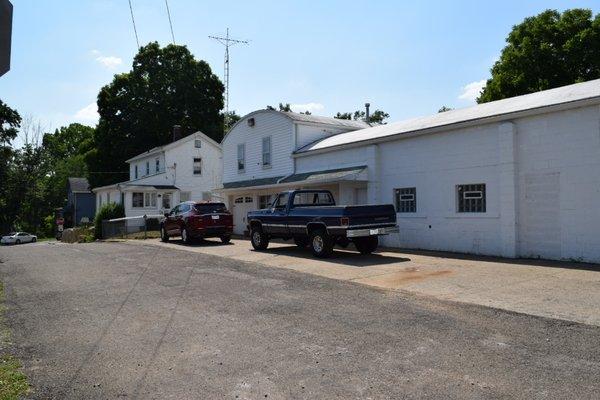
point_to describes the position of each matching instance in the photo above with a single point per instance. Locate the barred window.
(471, 198)
(406, 200)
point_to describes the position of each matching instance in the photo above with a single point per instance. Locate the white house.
(258, 159)
(519, 177)
(186, 169)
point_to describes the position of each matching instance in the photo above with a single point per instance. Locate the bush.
(108, 211)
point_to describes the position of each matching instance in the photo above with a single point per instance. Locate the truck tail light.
(344, 221)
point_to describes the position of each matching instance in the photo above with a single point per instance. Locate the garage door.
(539, 229)
(241, 206)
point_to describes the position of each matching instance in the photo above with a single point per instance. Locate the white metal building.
(518, 177)
(186, 169)
(258, 159)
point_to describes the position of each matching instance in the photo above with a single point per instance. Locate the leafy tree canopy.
(378, 117)
(166, 86)
(9, 124)
(444, 109)
(548, 50)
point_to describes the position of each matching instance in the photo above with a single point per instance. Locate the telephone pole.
(227, 42)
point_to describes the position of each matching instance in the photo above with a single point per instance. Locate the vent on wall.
(251, 122)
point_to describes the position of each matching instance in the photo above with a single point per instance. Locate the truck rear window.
(307, 199)
(210, 208)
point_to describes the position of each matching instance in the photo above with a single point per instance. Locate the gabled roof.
(158, 149)
(534, 103)
(79, 185)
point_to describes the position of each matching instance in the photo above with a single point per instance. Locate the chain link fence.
(141, 227)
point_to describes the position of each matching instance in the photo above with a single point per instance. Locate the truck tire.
(163, 234)
(321, 244)
(259, 240)
(301, 242)
(366, 245)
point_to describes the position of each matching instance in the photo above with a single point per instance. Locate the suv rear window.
(210, 208)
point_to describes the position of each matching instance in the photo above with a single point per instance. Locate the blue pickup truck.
(311, 218)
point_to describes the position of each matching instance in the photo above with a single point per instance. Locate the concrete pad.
(569, 291)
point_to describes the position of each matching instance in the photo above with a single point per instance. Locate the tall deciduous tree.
(9, 124)
(546, 51)
(166, 86)
(378, 117)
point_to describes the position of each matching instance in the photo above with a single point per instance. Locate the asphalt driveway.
(117, 320)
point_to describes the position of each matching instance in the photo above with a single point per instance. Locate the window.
(249, 200)
(239, 200)
(183, 208)
(241, 157)
(209, 208)
(99, 200)
(307, 199)
(266, 151)
(197, 166)
(108, 198)
(135, 174)
(157, 165)
(185, 196)
(147, 167)
(406, 200)
(137, 200)
(198, 143)
(166, 201)
(471, 198)
(264, 201)
(149, 199)
(281, 201)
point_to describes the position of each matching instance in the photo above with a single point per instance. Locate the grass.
(13, 383)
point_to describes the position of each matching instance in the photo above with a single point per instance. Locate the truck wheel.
(163, 234)
(321, 244)
(259, 240)
(301, 242)
(366, 245)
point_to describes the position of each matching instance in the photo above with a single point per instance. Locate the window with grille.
(137, 200)
(266, 151)
(197, 166)
(406, 200)
(471, 198)
(239, 200)
(149, 199)
(198, 143)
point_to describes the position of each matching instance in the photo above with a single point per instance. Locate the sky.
(406, 58)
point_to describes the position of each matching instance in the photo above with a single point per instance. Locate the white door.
(241, 206)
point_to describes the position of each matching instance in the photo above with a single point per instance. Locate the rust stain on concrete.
(397, 279)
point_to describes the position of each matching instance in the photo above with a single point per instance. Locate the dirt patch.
(401, 278)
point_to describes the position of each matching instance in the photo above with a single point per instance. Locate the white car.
(18, 238)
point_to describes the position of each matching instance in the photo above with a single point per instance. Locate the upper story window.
(266, 151)
(197, 166)
(241, 157)
(157, 165)
(471, 198)
(135, 172)
(198, 143)
(147, 167)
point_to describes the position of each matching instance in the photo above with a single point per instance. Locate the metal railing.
(140, 227)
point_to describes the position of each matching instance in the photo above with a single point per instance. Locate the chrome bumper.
(352, 233)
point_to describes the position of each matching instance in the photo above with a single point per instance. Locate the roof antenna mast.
(227, 42)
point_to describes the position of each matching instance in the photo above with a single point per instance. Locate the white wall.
(309, 133)
(281, 130)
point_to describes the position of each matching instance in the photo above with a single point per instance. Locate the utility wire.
(170, 23)
(134, 29)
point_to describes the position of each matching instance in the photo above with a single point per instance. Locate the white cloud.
(312, 107)
(110, 62)
(88, 114)
(472, 90)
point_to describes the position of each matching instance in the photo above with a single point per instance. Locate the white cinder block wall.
(542, 177)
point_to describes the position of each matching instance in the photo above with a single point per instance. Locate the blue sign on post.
(6, 12)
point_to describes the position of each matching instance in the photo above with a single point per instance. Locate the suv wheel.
(226, 239)
(321, 244)
(163, 234)
(366, 245)
(185, 236)
(260, 241)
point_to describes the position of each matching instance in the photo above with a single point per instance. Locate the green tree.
(378, 117)
(548, 50)
(166, 86)
(444, 109)
(282, 107)
(10, 121)
(231, 118)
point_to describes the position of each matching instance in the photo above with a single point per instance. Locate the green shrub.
(108, 211)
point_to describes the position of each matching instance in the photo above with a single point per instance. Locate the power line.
(227, 42)
(170, 23)
(134, 29)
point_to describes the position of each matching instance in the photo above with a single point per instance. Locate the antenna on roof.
(227, 42)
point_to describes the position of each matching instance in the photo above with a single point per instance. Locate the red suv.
(197, 221)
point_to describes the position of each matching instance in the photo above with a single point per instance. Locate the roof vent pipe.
(367, 115)
(176, 132)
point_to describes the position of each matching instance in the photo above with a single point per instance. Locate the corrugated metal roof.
(317, 119)
(80, 185)
(539, 100)
(252, 182)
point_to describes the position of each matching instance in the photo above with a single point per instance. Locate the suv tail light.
(344, 221)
